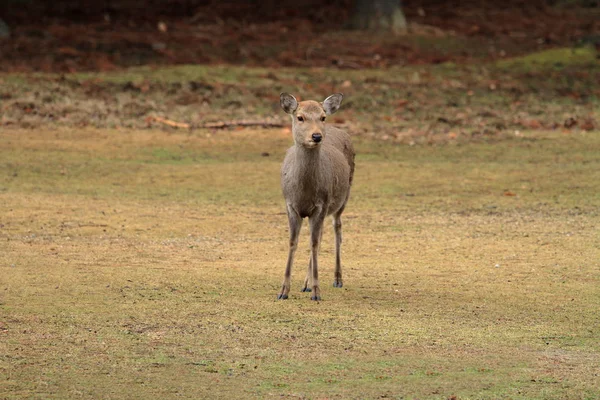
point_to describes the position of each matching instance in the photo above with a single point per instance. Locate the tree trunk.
(379, 15)
(4, 30)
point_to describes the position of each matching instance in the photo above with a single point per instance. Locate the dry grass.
(551, 90)
(138, 264)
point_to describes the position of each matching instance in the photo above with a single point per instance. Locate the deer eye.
(301, 118)
(322, 119)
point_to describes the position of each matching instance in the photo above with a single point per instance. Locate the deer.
(316, 176)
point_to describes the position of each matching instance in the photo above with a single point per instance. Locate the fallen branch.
(228, 124)
(217, 125)
(165, 121)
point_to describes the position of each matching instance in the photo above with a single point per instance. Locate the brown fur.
(315, 177)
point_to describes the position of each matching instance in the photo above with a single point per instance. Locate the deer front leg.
(316, 229)
(295, 224)
(307, 286)
(337, 226)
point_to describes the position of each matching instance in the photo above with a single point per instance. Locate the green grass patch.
(553, 59)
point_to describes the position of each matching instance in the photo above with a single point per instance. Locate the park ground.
(139, 263)
(139, 260)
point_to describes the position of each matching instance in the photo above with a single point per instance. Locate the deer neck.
(309, 166)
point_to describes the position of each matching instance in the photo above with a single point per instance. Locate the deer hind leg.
(295, 224)
(307, 281)
(337, 227)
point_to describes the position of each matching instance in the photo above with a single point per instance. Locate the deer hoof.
(316, 298)
(338, 284)
(306, 289)
(282, 296)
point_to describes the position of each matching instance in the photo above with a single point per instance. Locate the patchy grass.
(141, 264)
(553, 58)
(549, 91)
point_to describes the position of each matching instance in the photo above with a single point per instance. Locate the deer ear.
(332, 103)
(288, 102)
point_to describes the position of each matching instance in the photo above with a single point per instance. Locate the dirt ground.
(140, 264)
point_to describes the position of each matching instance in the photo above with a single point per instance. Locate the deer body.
(316, 176)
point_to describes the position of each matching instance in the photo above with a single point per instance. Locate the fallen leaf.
(509, 193)
(401, 103)
(587, 125)
(570, 123)
(531, 124)
(69, 51)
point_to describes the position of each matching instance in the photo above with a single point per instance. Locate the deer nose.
(316, 137)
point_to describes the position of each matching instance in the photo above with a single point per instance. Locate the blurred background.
(413, 71)
(71, 35)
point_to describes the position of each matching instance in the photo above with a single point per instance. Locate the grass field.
(146, 264)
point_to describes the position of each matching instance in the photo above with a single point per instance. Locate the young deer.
(315, 177)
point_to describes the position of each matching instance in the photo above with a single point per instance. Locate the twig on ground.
(227, 124)
(165, 121)
(217, 125)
